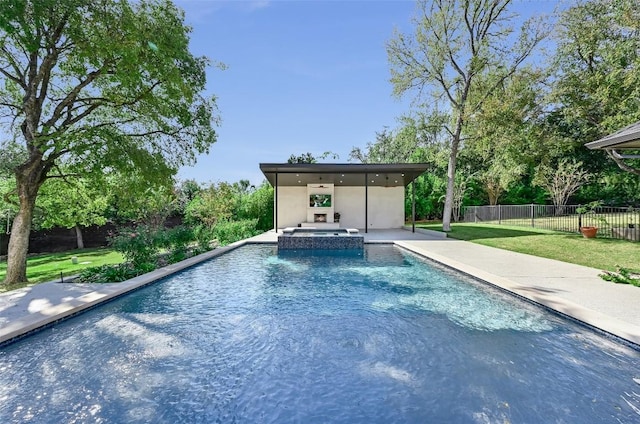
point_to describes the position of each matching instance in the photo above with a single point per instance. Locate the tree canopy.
(522, 122)
(456, 42)
(94, 85)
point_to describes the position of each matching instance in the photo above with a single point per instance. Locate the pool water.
(368, 336)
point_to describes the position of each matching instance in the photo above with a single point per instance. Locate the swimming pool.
(373, 335)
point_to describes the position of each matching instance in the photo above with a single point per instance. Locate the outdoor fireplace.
(319, 217)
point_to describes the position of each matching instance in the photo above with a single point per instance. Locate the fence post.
(499, 215)
(533, 223)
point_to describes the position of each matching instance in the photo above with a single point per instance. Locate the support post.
(366, 202)
(533, 223)
(413, 206)
(275, 203)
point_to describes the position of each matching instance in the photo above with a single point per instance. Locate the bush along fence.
(612, 222)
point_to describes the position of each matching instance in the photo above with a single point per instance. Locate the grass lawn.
(48, 266)
(573, 248)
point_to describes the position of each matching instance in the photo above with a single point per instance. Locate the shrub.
(111, 273)
(231, 231)
(138, 245)
(176, 240)
(205, 238)
(622, 276)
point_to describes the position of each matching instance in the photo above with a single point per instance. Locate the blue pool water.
(371, 336)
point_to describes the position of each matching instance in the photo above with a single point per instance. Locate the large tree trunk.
(29, 178)
(19, 243)
(451, 181)
(451, 173)
(79, 238)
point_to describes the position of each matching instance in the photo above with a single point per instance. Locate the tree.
(72, 204)
(504, 140)
(257, 204)
(92, 86)
(562, 181)
(418, 139)
(455, 41)
(597, 74)
(310, 158)
(213, 204)
(186, 191)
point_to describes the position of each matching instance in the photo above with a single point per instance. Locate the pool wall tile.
(310, 241)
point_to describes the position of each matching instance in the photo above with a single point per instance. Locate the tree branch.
(621, 164)
(71, 97)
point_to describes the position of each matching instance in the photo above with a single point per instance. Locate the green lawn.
(48, 267)
(596, 253)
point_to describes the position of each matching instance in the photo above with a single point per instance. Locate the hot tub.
(320, 238)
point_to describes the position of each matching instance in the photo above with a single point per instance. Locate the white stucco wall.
(350, 204)
(386, 206)
(292, 206)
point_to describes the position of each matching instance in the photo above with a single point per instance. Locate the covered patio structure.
(363, 196)
(618, 146)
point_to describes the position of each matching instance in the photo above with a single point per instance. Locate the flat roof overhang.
(345, 174)
(626, 138)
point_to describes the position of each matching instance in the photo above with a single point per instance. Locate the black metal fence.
(618, 223)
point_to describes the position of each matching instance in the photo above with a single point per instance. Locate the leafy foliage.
(621, 276)
(257, 204)
(455, 42)
(596, 81)
(79, 202)
(177, 241)
(310, 158)
(227, 232)
(95, 86)
(138, 245)
(563, 180)
(213, 204)
(110, 273)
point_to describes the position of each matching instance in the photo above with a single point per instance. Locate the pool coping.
(36, 321)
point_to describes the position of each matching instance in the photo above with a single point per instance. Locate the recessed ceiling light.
(299, 181)
(371, 180)
(342, 175)
(377, 175)
(396, 181)
(402, 175)
(340, 181)
(297, 175)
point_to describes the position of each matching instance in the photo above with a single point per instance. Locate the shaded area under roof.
(626, 138)
(343, 174)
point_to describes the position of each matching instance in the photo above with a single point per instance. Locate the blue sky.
(302, 76)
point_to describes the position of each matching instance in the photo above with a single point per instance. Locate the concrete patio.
(573, 290)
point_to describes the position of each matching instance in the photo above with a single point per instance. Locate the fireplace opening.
(319, 217)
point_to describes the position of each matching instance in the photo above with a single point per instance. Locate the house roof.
(343, 174)
(626, 138)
